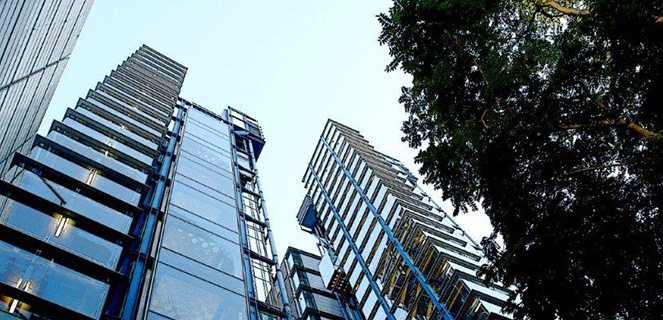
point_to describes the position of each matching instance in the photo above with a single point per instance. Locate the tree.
(548, 114)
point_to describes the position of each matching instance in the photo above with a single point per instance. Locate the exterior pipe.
(272, 245)
(242, 223)
(138, 274)
(441, 308)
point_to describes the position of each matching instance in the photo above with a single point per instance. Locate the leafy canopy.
(548, 115)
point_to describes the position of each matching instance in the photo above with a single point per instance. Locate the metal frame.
(355, 250)
(441, 308)
(147, 230)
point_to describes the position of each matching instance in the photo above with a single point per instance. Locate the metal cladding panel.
(32, 37)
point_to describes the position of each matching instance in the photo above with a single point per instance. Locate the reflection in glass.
(204, 206)
(74, 201)
(184, 297)
(45, 227)
(202, 246)
(52, 282)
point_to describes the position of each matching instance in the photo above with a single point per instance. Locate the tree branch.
(565, 10)
(617, 164)
(620, 122)
(483, 115)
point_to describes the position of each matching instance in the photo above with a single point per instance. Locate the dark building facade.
(36, 40)
(139, 205)
(385, 242)
(308, 294)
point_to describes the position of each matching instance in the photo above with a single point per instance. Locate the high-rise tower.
(36, 40)
(139, 205)
(387, 243)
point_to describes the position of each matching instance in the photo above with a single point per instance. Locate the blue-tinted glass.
(117, 128)
(220, 165)
(211, 184)
(77, 241)
(202, 223)
(202, 205)
(184, 297)
(107, 140)
(214, 155)
(202, 271)
(79, 173)
(52, 282)
(208, 121)
(75, 202)
(202, 246)
(123, 116)
(155, 316)
(97, 156)
(212, 137)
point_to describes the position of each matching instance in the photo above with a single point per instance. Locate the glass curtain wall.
(73, 209)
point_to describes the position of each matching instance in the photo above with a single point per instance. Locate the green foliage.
(548, 115)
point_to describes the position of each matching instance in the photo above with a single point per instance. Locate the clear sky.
(289, 64)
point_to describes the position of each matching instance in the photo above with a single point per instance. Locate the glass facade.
(139, 205)
(75, 208)
(36, 40)
(385, 242)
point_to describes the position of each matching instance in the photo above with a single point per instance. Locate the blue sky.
(289, 64)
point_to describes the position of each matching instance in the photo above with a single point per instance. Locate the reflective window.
(84, 175)
(184, 297)
(205, 206)
(45, 227)
(52, 282)
(97, 156)
(75, 202)
(217, 156)
(123, 130)
(208, 121)
(206, 177)
(96, 135)
(194, 268)
(213, 137)
(202, 223)
(202, 246)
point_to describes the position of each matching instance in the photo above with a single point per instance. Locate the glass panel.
(82, 174)
(52, 282)
(97, 156)
(108, 141)
(202, 223)
(216, 158)
(212, 137)
(183, 297)
(155, 316)
(72, 239)
(75, 202)
(201, 271)
(206, 177)
(209, 121)
(123, 116)
(202, 246)
(121, 130)
(204, 206)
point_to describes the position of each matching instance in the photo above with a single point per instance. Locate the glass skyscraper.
(139, 205)
(36, 40)
(386, 243)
